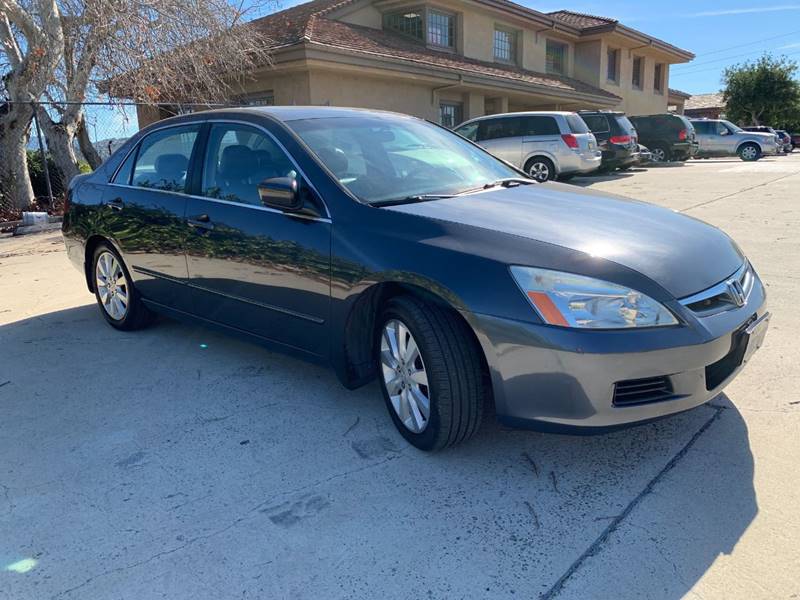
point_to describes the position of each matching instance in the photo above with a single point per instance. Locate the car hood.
(682, 254)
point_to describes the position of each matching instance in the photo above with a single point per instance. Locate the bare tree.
(148, 51)
(31, 43)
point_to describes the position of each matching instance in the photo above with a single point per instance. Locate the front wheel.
(541, 169)
(749, 152)
(430, 373)
(116, 295)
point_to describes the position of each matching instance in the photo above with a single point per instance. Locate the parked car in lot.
(645, 156)
(769, 130)
(616, 137)
(392, 248)
(717, 137)
(785, 139)
(795, 140)
(669, 137)
(545, 145)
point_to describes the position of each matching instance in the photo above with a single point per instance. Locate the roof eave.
(640, 37)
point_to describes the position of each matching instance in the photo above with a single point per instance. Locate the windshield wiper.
(410, 199)
(509, 182)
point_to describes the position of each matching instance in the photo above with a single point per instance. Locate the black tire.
(663, 149)
(456, 386)
(137, 315)
(541, 169)
(745, 152)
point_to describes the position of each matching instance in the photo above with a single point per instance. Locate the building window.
(505, 45)
(450, 114)
(556, 57)
(658, 78)
(441, 29)
(612, 70)
(407, 22)
(638, 67)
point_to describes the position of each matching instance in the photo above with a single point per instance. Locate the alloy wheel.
(749, 152)
(112, 286)
(404, 376)
(658, 155)
(540, 171)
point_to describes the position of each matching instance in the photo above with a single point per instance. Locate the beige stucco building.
(450, 60)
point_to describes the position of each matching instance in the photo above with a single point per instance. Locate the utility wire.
(772, 37)
(671, 75)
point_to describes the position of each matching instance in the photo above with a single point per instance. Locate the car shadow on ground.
(228, 463)
(597, 177)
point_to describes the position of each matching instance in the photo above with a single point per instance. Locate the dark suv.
(616, 137)
(669, 137)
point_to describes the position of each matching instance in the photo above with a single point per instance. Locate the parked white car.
(545, 145)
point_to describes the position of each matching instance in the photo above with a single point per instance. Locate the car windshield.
(385, 158)
(732, 127)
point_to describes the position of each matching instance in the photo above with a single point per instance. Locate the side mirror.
(280, 193)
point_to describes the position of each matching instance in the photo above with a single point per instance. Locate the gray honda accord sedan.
(391, 248)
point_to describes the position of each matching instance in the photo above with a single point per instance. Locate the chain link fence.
(104, 127)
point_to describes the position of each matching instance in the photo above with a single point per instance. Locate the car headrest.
(171, 167)
(335, 160)
(236, 162)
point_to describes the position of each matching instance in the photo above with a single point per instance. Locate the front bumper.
(560, 379)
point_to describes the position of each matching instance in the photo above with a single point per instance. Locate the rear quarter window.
(577, 125)
(540, 125)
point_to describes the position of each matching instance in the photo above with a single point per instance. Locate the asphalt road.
(177, 463)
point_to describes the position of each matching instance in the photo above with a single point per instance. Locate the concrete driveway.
(178, 463)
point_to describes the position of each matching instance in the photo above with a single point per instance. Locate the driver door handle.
(116, 204)
(200, 222)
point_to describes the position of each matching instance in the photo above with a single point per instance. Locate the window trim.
(201, 123)
(445, 13)
(639, 87)
(659, 89)
(566, 47)
(515, 46)
(617, 65)
(421, 8)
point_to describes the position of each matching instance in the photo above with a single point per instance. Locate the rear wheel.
(430, 373)
(749, 152)
(660, 154)
(116, 295)
(541, 169)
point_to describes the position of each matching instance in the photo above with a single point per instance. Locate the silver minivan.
(545, 145)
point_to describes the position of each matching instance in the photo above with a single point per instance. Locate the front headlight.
(571, 300)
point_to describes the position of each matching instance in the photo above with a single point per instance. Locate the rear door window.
(492, 129)
(624, 124)
(539, 125)
(162, 162)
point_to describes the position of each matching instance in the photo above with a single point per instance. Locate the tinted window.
(597, 123)
(703, 127)
(576, 124)
(624, 124)
(469, 131)
(123, 176)
(238, 158)
(492, 129)
(386, 158)
(540, 125)
(163, 159)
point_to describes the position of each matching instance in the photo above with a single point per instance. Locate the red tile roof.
(580, 20)
(307, 23)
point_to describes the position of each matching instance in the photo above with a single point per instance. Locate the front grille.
(719, 297)
(642, 391)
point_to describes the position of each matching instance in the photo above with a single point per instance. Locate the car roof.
(522, 113)
(293, 113)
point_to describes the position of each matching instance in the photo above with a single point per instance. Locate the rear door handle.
(116, 204)
(201, 222)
